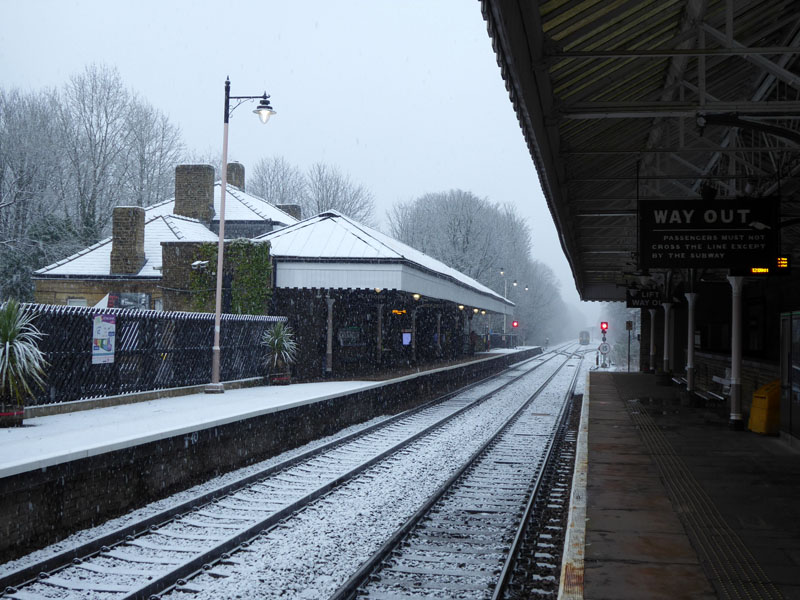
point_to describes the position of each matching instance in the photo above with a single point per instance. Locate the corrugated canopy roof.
(628, 99)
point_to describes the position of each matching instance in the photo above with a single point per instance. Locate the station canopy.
(632, 100)
(332, 251)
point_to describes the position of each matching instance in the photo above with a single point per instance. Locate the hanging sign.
(636, 298)
(104, 333)
(725, 234)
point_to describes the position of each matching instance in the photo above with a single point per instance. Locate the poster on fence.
(104, 332)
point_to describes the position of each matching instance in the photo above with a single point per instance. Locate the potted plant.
(281, 353)
(22, 364)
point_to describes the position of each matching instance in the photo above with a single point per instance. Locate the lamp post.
(264, 112)
(505, 293)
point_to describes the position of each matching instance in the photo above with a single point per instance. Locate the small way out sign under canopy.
(726, 234)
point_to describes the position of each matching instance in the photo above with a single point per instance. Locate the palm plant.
(22, 364)
(281, 346)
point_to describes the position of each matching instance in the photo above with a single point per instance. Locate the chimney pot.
(194, 192)
(292, 209)
(236, 175)
(127, 241)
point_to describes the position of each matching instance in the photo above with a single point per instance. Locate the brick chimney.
(127, 242)
(236, 175)
(292, 209)
(194, 192)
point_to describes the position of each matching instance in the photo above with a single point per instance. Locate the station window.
(76, 302)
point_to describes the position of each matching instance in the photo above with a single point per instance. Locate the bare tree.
(277, 181)
(328, 188)
(479, 239)
(153, 149)
(455, 227)
(92, 118)
(33, 230)
(66, 159)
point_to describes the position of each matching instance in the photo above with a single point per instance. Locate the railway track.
(466, 540)
(161, 552)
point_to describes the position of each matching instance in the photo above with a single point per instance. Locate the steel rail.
(505, 574)
(351, 586)
(92, 548)
(191, 568)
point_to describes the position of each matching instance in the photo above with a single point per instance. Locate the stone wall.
(61, 290)
(177, 259)
(43, 506)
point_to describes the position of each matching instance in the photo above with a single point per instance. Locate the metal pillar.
(652, 340)
(379, 335)
(691, 297)
(414, 335)
(667, 306)
(438, 334)
(329, 347)
(736, 421)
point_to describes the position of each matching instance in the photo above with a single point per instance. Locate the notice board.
(726, 234)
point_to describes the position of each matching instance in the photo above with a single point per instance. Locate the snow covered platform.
(63, 472)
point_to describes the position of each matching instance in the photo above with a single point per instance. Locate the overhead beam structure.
(626, 101)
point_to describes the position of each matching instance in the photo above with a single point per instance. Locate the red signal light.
(603, 326)
(515, 323)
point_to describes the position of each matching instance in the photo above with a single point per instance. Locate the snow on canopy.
(331, 250)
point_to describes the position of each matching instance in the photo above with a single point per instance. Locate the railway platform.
(677, 505)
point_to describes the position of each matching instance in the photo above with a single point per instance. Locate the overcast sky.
(404, 96)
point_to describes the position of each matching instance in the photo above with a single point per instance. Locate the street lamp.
(264, 112)
(505, 293)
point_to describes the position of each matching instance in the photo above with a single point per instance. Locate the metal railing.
(152, 350)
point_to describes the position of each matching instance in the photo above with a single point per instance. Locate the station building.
(360, 300)
(125, 270)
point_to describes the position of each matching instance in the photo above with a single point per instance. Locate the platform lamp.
(505, 293)
(264, 112)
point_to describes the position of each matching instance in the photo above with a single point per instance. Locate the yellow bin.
(765, 410)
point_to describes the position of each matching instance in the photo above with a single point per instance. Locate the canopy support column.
(691, 297)
(736, 421)
(329, 347)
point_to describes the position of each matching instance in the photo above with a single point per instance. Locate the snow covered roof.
(161, 225)
(239, 206)
(95, 261)
(331, 250)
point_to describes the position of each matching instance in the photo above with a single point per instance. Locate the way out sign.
(736, 233)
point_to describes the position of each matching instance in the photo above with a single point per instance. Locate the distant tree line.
(481, 238)
(321, 187)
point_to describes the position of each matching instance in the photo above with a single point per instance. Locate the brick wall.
(43, 506)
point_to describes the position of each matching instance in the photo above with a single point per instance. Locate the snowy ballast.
(332, 251)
